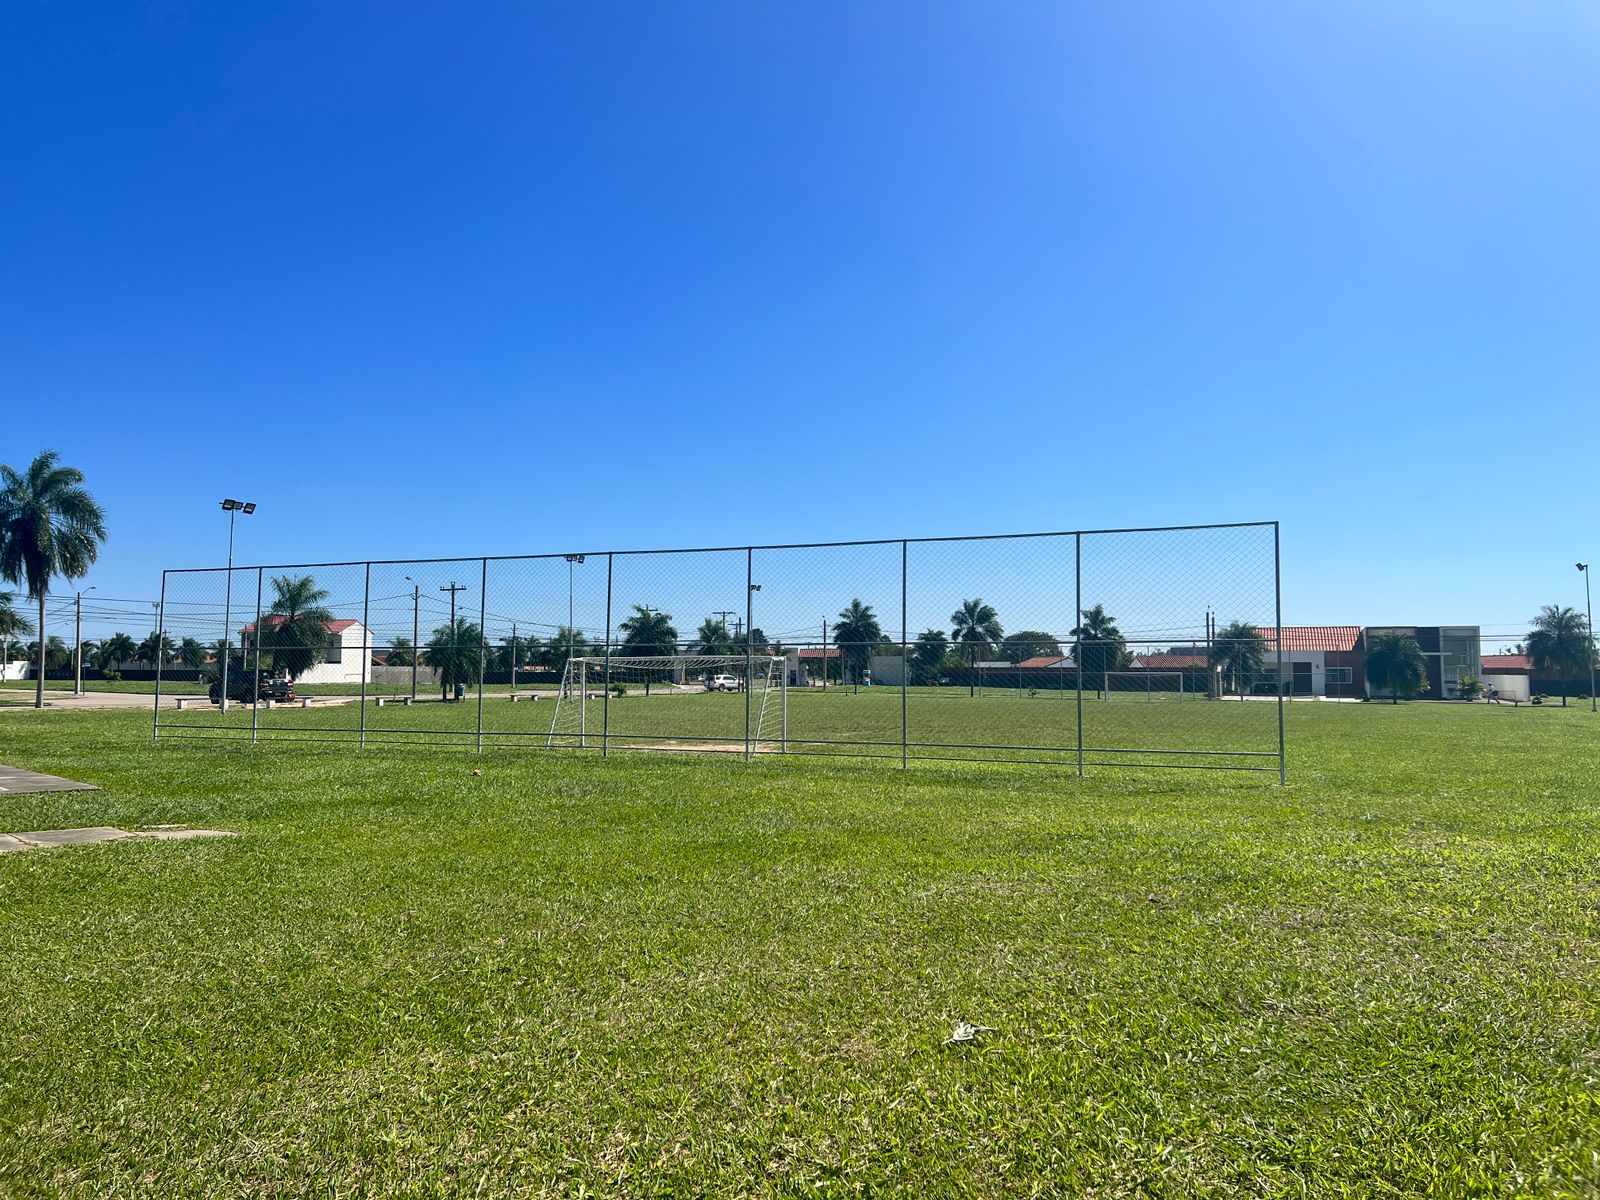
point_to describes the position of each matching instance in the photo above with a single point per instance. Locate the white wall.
(1510, 687)
(354, 661)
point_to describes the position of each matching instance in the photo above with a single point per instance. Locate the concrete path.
(44, 838)
(14, 781)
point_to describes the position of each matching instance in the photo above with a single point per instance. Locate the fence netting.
(1141, 648)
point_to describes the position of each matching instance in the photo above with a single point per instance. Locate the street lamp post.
(1588, 607)
(77, 640)
(233, 508)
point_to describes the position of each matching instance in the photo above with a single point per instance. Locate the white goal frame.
(1150, 692)
(588, 678)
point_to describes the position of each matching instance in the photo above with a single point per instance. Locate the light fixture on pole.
(573, 560)
(233, 508)
(1588, 639)
(77, 643)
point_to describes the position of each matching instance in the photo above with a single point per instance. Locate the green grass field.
(428, 972)
(943, 722)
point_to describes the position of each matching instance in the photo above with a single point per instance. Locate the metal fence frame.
(906, 744)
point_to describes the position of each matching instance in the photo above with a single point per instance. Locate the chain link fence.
(1129, 648)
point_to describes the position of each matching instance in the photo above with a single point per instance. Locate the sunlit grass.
(427, 971)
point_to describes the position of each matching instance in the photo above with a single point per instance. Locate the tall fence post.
(605, 700)
(255, 686)
(161, 624)
(366, 652)
(905, 663)
(749, 639)
(483, 641)
(1277, 603)
(1077, 637)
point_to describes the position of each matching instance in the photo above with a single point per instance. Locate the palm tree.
(56, 654)
(1560, 643)
(115, 650)
(1098, 644)
(12, 625)
(401, 652)
(456, 653)
(568, 643)
(927, 656)
(856, 633)
(1240, 650)
(296, 625)
(1029, 643)
(191, 653)
(156, 649)
(648, 634)
(975, 626)
(515, 653)
(713, 638)
(49, 525)
(1395, 662)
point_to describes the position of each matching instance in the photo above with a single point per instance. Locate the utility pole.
(416, 650)
(513, 658)
(77, 642)
(453, 587)
(824, 653)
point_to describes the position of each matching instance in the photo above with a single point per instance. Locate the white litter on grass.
(966, 1031)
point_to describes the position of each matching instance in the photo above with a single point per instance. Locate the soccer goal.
(716, 702)
(1142, 685)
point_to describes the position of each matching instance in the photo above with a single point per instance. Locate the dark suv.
(266, 686)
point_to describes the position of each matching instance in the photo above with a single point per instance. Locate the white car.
(722, 683)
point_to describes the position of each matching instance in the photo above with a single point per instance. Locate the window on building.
(1340, 675)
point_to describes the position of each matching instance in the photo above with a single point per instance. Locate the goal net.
(674, 702)
(1141, 685)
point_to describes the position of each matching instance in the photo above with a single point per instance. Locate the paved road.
(14, 696)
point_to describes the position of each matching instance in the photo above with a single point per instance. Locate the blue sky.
(430, 280)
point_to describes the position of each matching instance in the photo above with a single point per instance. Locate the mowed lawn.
(429, 972)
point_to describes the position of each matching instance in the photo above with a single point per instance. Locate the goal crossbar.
(590, 680)
(1150, 684)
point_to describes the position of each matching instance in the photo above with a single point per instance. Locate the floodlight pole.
(232, 508)
(1588, 608)
(750, 590)
(572, 638)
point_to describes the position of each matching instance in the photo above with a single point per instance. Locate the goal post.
(1142, 685)
(677, 716)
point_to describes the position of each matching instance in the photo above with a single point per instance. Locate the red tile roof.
(817, 652)
(1045, 660)
(330, 626)
(1506, 662)
(1313, 638)
(1169, 662)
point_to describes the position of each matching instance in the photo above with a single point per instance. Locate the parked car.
(722, 683)
(244, 686)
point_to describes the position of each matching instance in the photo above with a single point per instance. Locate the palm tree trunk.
(38, 684)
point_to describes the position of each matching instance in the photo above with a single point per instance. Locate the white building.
(347, 658)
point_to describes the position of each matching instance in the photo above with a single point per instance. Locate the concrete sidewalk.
(14, 781)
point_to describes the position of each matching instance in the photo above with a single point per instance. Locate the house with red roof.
(347, 658)
(1509, 675)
